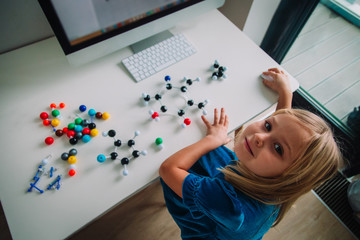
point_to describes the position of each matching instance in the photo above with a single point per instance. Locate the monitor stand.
(150, 41)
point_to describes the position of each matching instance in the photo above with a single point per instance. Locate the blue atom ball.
(101, 158)
(78, 128)
(82, 108)
(92, 112)
(167, 78)
(86, 138)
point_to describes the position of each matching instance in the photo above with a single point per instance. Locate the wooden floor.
(325, 59)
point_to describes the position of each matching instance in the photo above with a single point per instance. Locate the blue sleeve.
(208, 164)
(214, 198)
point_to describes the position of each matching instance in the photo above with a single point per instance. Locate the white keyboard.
(158, 57)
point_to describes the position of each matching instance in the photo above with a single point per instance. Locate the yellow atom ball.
(105, 115)
(55, 122)
(72, 160)
(94, 132)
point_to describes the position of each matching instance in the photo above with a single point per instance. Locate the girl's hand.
(280, 82)
(217, 131)
(281, 85)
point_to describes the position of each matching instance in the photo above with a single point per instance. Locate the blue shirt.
(211, 208)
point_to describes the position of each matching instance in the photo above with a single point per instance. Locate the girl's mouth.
(247, 146)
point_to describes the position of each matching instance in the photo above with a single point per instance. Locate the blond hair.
(318, 161)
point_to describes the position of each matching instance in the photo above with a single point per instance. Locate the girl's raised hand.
(280, 82)
(219, 129)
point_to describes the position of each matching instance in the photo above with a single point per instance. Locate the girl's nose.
(259, 139)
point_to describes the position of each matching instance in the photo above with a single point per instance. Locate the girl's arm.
(281, 85)
(174, 169)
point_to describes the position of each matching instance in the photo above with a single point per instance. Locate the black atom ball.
(136, 153)
(112, 133)
(72, 152)
(168, 86)
(64, 156)
(147, 98)
(113, 155)
(117, 143)
(163, 108)
(125, 161)
(157, 96)
(78, 135)
(183, 89)
(84, 123)
(181, 112)
(131, 143)
(73, 141)
(92, 125)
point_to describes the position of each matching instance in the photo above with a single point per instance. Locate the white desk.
(33, 77)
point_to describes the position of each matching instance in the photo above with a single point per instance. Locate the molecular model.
(54, 122)
(55, 184)
(42, 171)
(70, 157)
(117, 143)
(218, 71)
(159, 143)
(81, 128)
(181, 112)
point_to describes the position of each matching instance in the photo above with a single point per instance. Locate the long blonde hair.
(319, 161)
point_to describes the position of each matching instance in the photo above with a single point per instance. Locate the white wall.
(259, 18)
(236, 11)
(21, 22)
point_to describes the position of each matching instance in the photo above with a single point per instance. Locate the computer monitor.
(90, 29)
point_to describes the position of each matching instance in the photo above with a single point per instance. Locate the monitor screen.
(113, 24)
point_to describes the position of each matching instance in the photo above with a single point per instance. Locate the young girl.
(214, 193)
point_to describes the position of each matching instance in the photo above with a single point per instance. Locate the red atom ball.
(53, 105)
(62, 105)
(65, 130)
(46, 122)
(187, 121)
(86, 131)
(72, 172)
(44, 115)
(49, 140)
(70, 133)
(155, 115)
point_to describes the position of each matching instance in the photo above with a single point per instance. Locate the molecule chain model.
(180, 112)
(117, 143)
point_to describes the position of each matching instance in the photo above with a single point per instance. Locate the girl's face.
(270, 146)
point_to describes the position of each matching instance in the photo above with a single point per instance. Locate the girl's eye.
(278, 149)
(268, 126)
